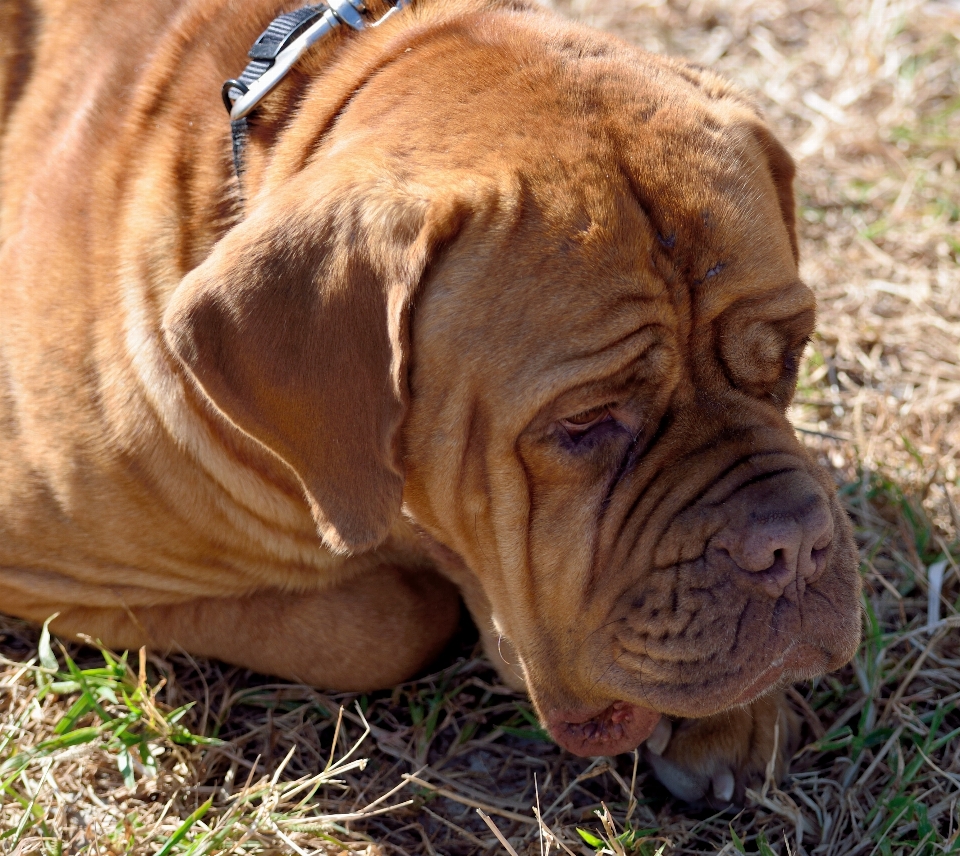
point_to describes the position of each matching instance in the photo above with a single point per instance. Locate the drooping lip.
(619, 727)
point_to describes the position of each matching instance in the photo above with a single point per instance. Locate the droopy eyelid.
(578, 425)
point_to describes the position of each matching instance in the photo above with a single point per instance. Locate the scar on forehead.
(719, 266)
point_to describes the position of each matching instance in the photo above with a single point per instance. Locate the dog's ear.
(296, 327)
(782, 170)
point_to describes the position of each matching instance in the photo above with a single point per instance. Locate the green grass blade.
(184, 828)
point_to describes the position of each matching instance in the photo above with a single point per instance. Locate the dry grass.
(867, 95)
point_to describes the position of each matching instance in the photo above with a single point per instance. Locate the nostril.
(771, 547)
(779, 531)
(767, 551)
(773, 574)
(780, 570)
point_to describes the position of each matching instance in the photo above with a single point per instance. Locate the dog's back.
(98, 439)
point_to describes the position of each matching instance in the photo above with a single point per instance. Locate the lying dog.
(500, 307)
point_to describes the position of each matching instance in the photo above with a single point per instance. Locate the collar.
(287, 39)
(278, 47)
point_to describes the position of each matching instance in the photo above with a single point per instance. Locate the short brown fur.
(288, 421)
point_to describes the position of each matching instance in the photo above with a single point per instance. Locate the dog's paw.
(713, 761)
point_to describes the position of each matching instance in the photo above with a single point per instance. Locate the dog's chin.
(623, 725)
(619, 727)
(798, 662)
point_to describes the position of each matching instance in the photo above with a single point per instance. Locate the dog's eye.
(580, 423)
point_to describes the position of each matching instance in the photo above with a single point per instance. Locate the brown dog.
(500, 307)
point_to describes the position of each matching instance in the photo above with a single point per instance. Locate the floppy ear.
(782, 169)
(296, 326)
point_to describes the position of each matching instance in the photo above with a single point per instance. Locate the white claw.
(657, 742)
(723, 785)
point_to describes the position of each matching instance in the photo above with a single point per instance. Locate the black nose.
(778, 530)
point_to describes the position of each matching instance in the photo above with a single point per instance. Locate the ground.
(96, 758)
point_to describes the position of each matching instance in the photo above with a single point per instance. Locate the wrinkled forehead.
(559, 256)
(546, 268)
(580, 134)
(609, 191)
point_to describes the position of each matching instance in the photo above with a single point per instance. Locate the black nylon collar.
(278, 47)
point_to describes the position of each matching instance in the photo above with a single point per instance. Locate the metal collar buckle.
(352, 13)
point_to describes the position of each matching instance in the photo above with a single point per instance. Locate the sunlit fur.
(284, 421)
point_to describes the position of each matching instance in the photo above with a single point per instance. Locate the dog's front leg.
(712, 761)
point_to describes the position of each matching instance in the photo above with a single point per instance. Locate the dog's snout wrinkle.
(762, 477)
(698, 499)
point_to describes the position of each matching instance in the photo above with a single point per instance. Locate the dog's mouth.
(622, 725)
(619, 727)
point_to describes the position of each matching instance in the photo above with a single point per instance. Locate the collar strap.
(286, 40)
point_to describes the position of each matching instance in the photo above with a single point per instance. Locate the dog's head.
(540, 291)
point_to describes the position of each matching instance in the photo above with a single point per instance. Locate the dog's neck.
(281, 45)
(333, 69)
(286, 39)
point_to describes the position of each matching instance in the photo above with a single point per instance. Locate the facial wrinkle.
(698, 498)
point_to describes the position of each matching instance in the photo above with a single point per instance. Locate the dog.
(471, 304)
